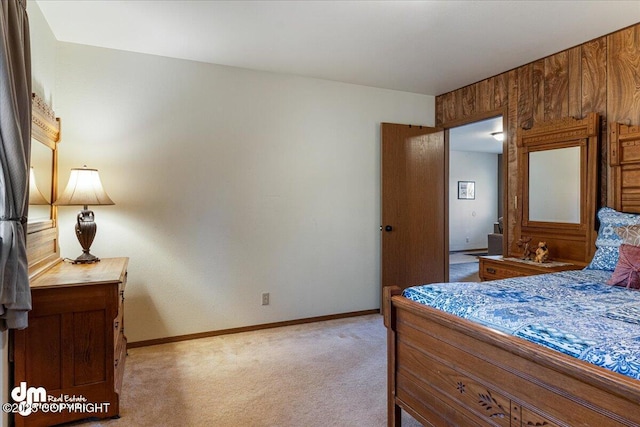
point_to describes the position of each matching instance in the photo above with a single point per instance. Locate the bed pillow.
(627, 272)
(608, 241)
(630, 234)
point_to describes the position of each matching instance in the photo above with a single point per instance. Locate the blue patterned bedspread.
(573, 312)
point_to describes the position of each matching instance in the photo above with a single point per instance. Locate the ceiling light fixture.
(499, 136)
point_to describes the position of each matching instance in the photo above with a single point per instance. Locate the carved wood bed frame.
(448, 371)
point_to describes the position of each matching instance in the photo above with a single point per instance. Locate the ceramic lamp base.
(86, 232)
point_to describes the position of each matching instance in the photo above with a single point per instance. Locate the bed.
(492, 362)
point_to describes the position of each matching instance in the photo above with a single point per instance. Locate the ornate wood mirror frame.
(42, 235)
(567, 241)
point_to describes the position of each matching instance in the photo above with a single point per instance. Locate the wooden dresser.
(498, 267)
(74, 346)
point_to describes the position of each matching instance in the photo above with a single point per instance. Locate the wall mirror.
(557, 174)
(40, 182)
(42, 229)
(554, 185)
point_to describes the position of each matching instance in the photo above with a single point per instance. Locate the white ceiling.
(477, 137)
(428, 47)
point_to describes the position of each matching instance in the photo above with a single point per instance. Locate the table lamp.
(84, 188)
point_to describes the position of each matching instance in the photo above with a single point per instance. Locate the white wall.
(472, 219)
(43, 54)
(227, 183)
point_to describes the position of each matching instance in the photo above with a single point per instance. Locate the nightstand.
(499, 267)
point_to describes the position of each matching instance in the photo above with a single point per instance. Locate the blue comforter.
(574, 312)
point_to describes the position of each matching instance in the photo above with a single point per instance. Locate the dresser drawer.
(497, 267)
(495, 271)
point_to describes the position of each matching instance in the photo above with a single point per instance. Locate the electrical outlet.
(467, 240)
(265, 298)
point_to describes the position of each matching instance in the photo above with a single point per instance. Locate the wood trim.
(561, 130)
(477, 117)
(209, 334)
(45, 126)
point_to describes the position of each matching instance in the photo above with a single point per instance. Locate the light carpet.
(321, 374)
(465, 272)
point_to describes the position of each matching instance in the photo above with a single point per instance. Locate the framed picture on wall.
(467, 190)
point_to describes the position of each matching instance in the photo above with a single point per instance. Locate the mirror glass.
(42, 167)
(554, 185)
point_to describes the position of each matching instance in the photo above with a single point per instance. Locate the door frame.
(505, 171)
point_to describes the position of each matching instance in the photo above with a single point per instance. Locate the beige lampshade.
(84, 188)
(35, 196)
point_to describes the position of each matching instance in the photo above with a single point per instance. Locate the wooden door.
(414, 205)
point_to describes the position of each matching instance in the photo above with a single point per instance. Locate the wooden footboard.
(447, 371)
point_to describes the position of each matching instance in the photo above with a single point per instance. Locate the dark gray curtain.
(15, 148)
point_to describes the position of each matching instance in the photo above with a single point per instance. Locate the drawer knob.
(491, 270)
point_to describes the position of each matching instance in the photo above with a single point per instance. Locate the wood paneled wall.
(602, 75)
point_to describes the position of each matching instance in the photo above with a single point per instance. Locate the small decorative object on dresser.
(542, 253)
(523, 243)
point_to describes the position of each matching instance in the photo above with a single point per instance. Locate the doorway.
(475, 196)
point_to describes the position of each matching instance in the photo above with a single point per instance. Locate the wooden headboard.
(624, 159)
